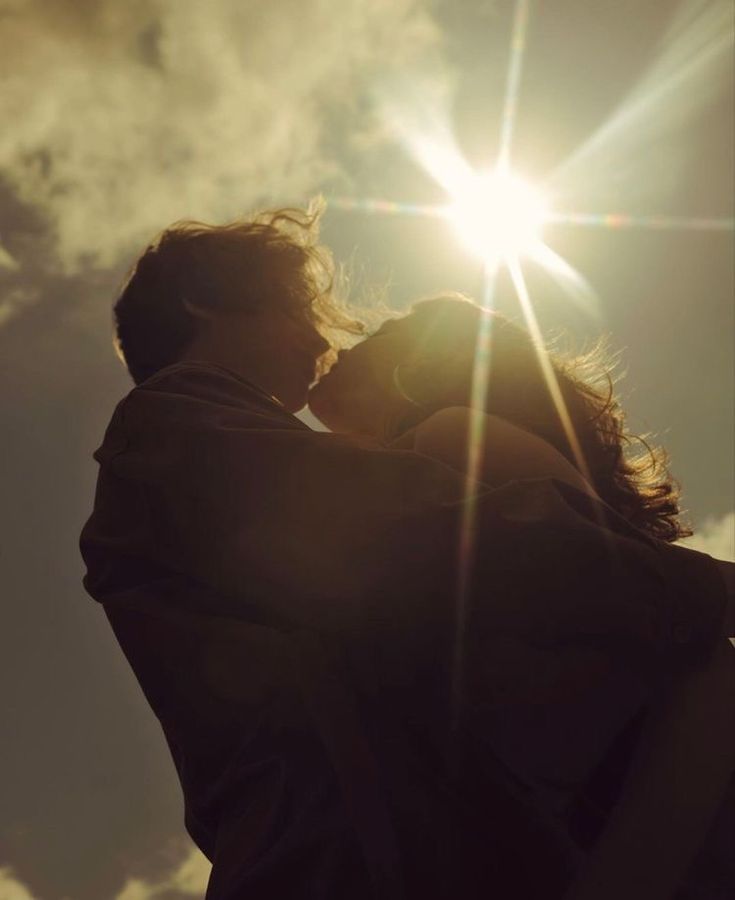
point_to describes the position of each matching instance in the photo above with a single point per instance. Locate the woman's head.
(424, 361)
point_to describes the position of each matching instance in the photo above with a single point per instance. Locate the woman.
(410, 386)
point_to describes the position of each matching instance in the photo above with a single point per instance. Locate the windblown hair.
(271, 260)
(438, 373)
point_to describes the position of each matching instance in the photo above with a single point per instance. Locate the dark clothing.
(289, 603)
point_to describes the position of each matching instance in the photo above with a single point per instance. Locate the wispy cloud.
(11, 888)
(14, 299)
(716, 537)
(126, 116)
(189, 878)
(7, 261)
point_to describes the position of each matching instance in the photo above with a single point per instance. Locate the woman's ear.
(410, 379)
(443, 378)
(199, 312)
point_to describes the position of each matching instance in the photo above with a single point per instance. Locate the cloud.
(126, 116)
(11, 888)
(716, 537)
(7, 261)
(189, 878)
(14, 299)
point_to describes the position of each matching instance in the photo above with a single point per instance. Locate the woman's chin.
(319, 405)
(340, 411)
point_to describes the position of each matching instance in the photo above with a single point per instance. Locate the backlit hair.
(629, 474)
(271, 260)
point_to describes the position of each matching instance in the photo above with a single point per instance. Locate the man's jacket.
(328, 651)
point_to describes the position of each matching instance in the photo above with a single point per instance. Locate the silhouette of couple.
(446, 650)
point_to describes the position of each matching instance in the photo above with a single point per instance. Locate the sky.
(125, 116)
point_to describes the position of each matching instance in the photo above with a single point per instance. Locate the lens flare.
(498, 215)
(499, 218)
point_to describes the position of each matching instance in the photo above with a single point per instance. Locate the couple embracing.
(444, 650)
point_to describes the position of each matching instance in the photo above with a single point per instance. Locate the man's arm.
(306, 530)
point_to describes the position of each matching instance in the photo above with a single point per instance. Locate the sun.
(497, 215)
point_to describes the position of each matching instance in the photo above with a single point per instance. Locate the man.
(287, 598)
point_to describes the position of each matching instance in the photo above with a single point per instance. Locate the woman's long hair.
(628, 473)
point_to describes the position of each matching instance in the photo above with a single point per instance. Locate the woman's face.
(359, 391)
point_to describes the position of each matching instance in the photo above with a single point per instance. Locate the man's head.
(254, 296)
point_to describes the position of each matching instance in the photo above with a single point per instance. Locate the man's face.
(275, 348)
(298, 345)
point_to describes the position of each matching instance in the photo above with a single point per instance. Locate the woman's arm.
(678, 778)
(507, 452)
(686, 754)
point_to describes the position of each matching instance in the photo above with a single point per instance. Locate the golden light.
(498, 216)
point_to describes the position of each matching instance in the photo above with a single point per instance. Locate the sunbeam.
(524, 299)
(693, 67)
(654, 223)
(513, 84)
(573, 283)
(552, 383)
(475, 454)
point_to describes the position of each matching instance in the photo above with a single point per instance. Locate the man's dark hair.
(270, 260)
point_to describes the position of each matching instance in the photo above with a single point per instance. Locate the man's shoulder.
(196, 376)
(191, 386)
(188, 399)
